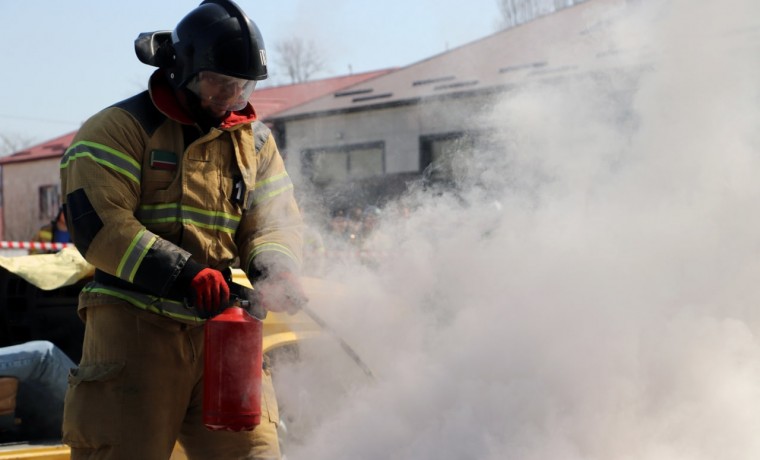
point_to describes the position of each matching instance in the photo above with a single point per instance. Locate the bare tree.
(300, 59)
(514, 12)
(10, 143)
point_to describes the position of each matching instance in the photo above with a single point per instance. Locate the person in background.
(338, 225)
(54, 232)
(33, 382)
(370, 218)
(373, 244)
(164, 192)
(337, 239)
(354, 224)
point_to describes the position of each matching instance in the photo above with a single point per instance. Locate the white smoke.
(591, 292)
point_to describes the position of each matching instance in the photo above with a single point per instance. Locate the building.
(30, 187)
(362, 144)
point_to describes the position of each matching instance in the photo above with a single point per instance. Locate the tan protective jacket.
(140, 202)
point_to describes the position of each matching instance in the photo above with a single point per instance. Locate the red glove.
(211, 291)
(281, 292)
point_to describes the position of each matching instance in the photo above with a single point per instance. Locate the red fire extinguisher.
(232, 371)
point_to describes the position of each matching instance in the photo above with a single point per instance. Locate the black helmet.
(216, 36)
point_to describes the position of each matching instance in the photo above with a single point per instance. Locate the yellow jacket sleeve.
(270, 234)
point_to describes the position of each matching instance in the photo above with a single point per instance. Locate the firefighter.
(163, 192)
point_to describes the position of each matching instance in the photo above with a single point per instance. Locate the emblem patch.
(161, 159)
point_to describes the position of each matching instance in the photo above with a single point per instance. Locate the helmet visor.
(221, 93)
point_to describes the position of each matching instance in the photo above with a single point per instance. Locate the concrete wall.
(400, 128)
(21, 184)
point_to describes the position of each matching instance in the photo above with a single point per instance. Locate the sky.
(63, 61)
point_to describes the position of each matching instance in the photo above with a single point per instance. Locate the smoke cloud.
(588, 291)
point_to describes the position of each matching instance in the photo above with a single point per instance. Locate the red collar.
(166, 101)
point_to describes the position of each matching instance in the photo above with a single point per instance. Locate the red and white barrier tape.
(32, 245)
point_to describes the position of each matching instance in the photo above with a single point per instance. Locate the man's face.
(219, 94)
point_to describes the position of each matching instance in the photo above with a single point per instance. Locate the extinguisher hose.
(343, 344)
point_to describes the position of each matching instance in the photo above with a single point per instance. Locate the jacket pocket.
(92, 415)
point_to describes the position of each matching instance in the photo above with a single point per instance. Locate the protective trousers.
(139, 389)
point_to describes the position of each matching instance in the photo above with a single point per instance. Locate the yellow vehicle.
(38, 299)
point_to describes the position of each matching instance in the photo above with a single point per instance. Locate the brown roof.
(272, 100)
(51, 149)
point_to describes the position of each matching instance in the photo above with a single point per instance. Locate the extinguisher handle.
(244, 297)
(247, 299)
(252, 308)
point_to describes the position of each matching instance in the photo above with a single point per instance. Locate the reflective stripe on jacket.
(141, 202)
(172, 308)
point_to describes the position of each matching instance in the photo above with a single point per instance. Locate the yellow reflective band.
(282, 249)
(172, 212)
(269, 180)
(138, 248)
(103, 155)
(154, 304)
(271, 187)
(272, 194)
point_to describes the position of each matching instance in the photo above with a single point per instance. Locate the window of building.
(331, 165)
(444, 157)
(49, 202)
